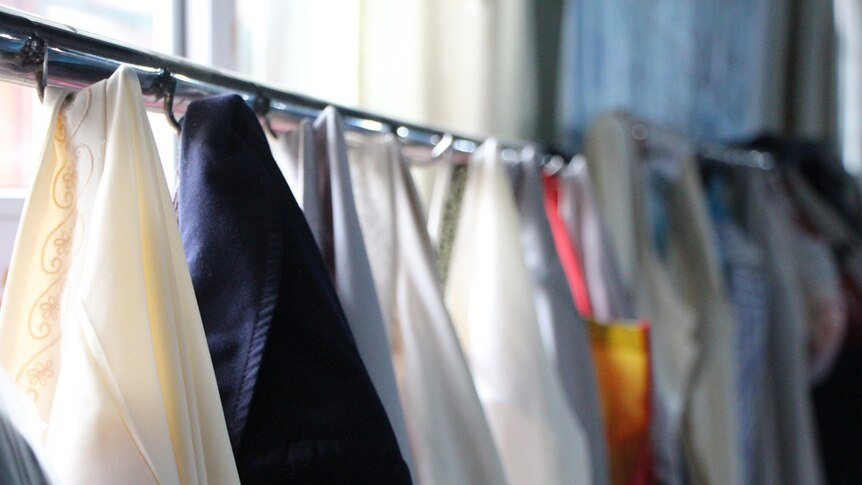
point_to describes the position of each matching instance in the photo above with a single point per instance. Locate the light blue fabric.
(701, 67)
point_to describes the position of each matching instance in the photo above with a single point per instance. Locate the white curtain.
(462, 64)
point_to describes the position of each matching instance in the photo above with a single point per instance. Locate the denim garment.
(299, 405)
(701, 67)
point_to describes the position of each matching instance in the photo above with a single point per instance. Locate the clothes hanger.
(164, 86)
(441, 148)
(261, 106)
(34, 56)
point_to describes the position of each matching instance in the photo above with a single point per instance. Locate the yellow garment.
(621, 353)
(99, 323)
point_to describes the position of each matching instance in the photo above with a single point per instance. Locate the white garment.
(316, 166)
(490, 296)
(683, 297)
(564, 333)
(99, 323)
(449, 433)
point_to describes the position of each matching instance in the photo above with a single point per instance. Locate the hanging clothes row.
(633, 317)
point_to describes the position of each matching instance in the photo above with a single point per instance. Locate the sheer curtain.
(467, 65)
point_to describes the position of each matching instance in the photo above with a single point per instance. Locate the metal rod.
(642, 131)
(76, 60)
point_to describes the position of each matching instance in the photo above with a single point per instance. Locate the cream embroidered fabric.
(99, 323)
(490, 296)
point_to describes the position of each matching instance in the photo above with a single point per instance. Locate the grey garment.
(564, 333)
(297, 164)
(713, 69)
(330, 208)
(768, 219)
(18, 463)
(19, 430)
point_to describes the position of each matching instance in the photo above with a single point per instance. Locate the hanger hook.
(261, 106)
(164, 86)
(34, 55)
(552, 164)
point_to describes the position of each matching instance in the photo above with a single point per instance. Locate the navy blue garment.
(299, 405)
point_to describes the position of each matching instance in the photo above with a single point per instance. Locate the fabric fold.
(490, 296)
(564, 332)
(98, 258)
(330, 203)
(298, 401)
(448, 431)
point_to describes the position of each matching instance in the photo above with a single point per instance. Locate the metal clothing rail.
(712, 152)
(37, 52)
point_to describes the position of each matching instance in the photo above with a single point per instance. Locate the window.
(143, 24)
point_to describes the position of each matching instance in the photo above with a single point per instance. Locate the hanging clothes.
(571, 260)
(564, 333)
(768, 219)
(744, 268)
(622, 355)
(299, 405)
(99, 324)
(824, 301)
(449, 433)
(490, 297)
(614, 166)
(678, 287)
(583, 222)
(328, 204)
(448, 205)
(433, 179)
(21, 458)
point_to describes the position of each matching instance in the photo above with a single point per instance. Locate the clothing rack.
(40, 53)
(711, 152)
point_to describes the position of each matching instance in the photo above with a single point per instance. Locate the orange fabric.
(622, 358)
(569, 258)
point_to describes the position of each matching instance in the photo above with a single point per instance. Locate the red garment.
(565, 248)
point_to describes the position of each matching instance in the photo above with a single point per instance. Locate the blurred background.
(725, 70)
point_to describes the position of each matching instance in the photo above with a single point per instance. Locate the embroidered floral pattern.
(62, 243)
(51, 308)
(40, 372)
